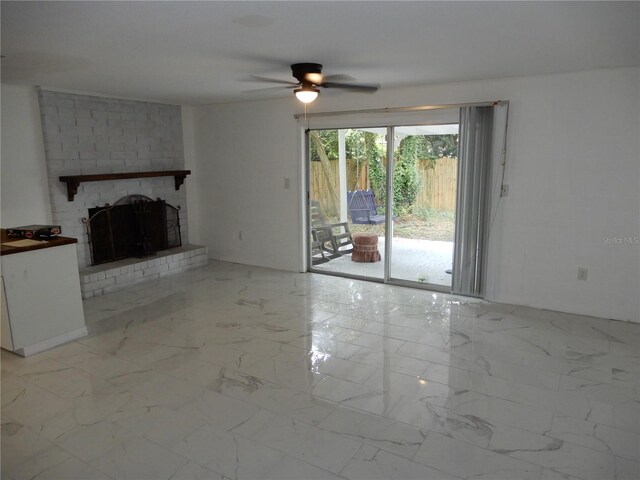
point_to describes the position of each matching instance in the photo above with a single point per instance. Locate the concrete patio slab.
(422, 261)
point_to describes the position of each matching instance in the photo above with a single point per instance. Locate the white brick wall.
(86, 134)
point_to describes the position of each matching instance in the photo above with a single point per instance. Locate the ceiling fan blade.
(273, 80)
(339, 77)
(269, 89)
(369, 88)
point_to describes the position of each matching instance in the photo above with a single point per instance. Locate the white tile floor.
(233, 372)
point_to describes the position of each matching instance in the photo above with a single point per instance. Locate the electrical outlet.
(287, 183)
(505, 191)
(582, 273)
(240, 235)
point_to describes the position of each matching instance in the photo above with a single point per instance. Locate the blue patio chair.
(362, 208)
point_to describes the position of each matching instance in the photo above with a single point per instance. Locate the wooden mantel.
(73, 181)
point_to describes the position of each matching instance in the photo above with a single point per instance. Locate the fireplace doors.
(135, 226)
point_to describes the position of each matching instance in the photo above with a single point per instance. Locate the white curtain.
(472, 210)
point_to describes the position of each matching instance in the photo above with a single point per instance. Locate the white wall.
(573, 170)
(24, 186)
(244, 153)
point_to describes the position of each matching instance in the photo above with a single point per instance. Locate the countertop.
(55, 242)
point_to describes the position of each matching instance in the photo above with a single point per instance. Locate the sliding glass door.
(346, 209)
(384, 211)
(424, 203)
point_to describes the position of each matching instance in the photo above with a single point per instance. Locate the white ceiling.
(205, 52)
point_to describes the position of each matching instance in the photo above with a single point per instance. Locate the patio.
(423, 261)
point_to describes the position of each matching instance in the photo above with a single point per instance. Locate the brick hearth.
(109, 277)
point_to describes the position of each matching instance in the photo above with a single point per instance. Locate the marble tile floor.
(236, 372)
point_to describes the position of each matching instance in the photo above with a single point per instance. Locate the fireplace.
(135, 226)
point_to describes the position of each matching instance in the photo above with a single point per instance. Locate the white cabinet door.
(5, 333)
(43, 294)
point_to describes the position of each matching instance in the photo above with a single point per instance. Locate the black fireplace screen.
(135, 226)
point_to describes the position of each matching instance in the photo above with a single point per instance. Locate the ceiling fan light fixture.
(306, 94)
(310, 80)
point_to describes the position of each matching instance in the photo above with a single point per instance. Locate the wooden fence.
(437, 184)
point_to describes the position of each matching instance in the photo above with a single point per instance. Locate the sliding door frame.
(388, 244)
(388, 221)
(388, 231)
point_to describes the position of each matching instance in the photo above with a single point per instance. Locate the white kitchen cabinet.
(42, 304)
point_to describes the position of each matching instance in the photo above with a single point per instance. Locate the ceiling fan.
(309, 79)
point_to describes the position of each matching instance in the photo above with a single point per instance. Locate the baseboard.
(52, 342)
